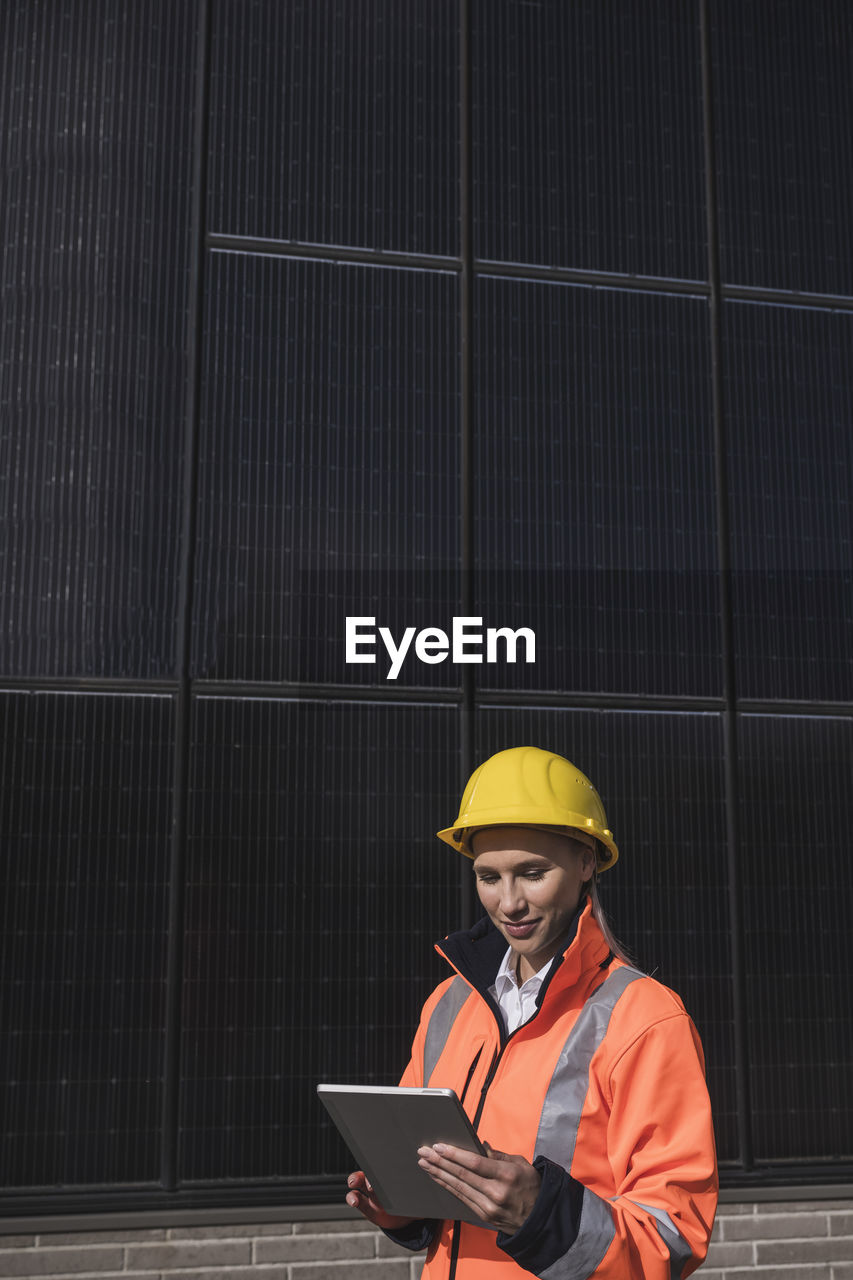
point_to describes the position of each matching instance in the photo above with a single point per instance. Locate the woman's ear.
(588, 864)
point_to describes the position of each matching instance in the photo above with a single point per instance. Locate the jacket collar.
(476, 953)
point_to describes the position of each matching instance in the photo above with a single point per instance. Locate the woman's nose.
(512, 898)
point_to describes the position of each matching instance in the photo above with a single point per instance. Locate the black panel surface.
(86, 819)
(660, 776)
(96, 103)
(798, 888)
(587, 122)
(594, 501)
(789, 392)
(784, 103)
(329, 467)
(316, 889)
(331, 477)
(336, 123)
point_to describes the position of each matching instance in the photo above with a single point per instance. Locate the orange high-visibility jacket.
(603, 1089)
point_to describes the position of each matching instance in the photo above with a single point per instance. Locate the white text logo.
(464, 644)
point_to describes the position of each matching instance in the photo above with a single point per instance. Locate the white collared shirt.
(516, 1003)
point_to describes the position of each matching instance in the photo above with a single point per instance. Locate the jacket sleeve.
(420, 1233)
(414, 1073)
(660, 1149)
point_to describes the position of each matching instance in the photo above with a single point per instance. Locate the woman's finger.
(463, 1175)
(500, 1188)
(464, 1191)
(459, 1156)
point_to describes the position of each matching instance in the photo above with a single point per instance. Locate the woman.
(584, 1078)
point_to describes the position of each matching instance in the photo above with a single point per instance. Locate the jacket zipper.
(470, 1075)
(490, 1075)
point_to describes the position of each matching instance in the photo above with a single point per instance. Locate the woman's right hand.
(361, 1196)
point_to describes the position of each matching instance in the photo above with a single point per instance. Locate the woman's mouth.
(522, 929)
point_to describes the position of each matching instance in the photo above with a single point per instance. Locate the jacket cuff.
(551, 1227)
(416, 1235)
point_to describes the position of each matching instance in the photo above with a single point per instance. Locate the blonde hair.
(604, 924)
(597, 909)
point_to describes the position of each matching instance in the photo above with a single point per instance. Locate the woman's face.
(530, 883)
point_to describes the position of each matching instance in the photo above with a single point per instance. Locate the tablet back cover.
(383, 1128)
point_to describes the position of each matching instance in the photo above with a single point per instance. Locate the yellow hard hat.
(528, 787)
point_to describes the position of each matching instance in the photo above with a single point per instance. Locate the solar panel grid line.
(465, 496)
(194, 311)
(627, 281)
(742, 1128)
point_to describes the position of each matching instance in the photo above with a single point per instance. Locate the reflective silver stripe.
(595, 1234)
(442, 1019)
(561, 1111)
(679, 1250)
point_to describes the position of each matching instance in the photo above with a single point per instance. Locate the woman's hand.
(360, 1195)
(501, 1189)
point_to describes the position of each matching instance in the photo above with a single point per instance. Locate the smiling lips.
(522, 929)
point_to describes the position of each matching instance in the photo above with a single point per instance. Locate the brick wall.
(268, 1251)
(792, 1240)
(795, 1240)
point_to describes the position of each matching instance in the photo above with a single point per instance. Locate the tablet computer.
(383, 1126)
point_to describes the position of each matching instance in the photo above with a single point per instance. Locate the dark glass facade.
(537, 313)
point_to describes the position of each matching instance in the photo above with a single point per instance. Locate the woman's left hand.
(501, 1189)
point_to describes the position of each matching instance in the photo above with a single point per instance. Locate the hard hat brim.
(605, 847)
